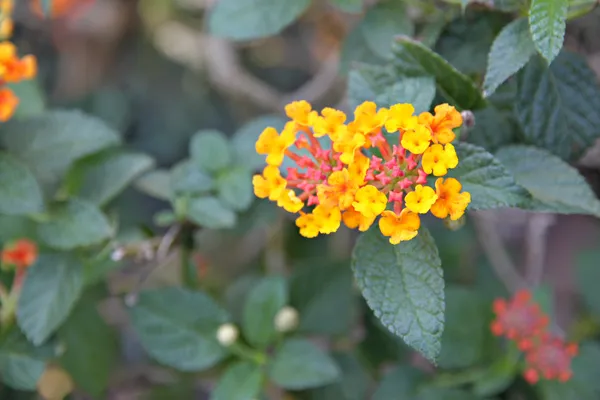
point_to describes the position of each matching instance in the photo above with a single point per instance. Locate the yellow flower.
(300, 112)
(400, 117)
(309, 225)
(367, 119)
(446, 118)
(416, 140)
(328, 123)
(358, 168)
(353, 219)
(421, 199)
(348, 142)
(449, 199)
(339, 191)
(274, 145)
(369, 201)
(438, 159)
(329, 218)
(270, 184)
(290, 202)
(401, 227)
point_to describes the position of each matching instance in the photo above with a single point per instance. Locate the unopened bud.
(286, 319)
(227, 334)
(468, 119)
(118, 254)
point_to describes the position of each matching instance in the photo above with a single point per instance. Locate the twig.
(535, 246)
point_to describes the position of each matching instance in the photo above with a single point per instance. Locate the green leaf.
(244, 140)
(417, 91)
(400, 383)
(510, 52)
(50, 142)
(554, 185)
(382, 23)
(262, 304)
(19, 191)
(235, 188)
(156, 184)
(31, 98)
(91, 346)
(413, 59)
(466, 325)
(210, 150)
(492, 129)
(210, 213)
(74, 223)
(588, 274)
(433, 393)
(101, 178)
(353, 385)
(404, 287)
(253, 19)
(241, 381)
(14, 227)
(52, 286)
(558, 106)
(21, 365)
(177, 327)
(355, 49)
(189, 178)
(349, 6)
(300, 365)
(324, 298)
(547, 20)
(490, 184)
(500, 375)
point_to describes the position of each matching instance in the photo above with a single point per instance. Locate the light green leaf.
(91, 346)
(235, 188)
(262, 304)
(417, 91)
(21, 365)
(557, 106)
(156, 184)
(210, 150)
(354, 384)
(400, 383)
(50, 142)
(19, 191)
(490, 184)
(52, 286)
(74, 223)
(253, 19)
(189, 178)
(241, 381)
(492, 129)
(554, 185)
(210, 213)
(324, 297)
(404, 287)
(101, 178)
(31, 98)
(547, 21)
(510, 52)
(413, 59)
(300, 365)
(244, 140)
(177, 327)
(349, 6)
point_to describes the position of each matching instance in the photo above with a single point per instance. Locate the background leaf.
(403, 285)
(554, 185)
(210, 150)
(21, 365)
(189, 178)
(241, 381)
(399, 383)
(349, 6)
(51, 288)
(244, 140)
(262, 304)
(354, 384)
(547, 20)
(155, 183)
(492, 129)
(210, 213)
(182, 337)
(235, 188)
(19, 191)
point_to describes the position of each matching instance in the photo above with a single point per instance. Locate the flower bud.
(118, 254)
(227, 334)
(286, 319)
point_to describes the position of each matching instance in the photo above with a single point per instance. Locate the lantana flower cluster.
(348, 171)
(12, 68)
(546, 355)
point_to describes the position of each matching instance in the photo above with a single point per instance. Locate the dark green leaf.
(558, 106)
(433, 393)
(490, 184)
(355, 49)
(353, 385)
(21, 365)
(254, 19)
(400, 383)
(382, 23)
(588, 274)
(554, 185)
(210, 213)
(403, 285)
(177, 327)
(74, 223)
(500, 375)
(52, 286)
(241, 381)
(156, 184)
(547, 20)
(210, 150)
(235, 188)
(262, 304)
(349, 6)
(19, 191)
(492, 129)
(413, 59)
(510, 52)
(366, 82)
(299, 365)
(244, 140)
(187, 177)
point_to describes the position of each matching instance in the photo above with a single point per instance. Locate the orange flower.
(8, 104)
(441, 124)
(20, 254)
(61, 8)
(13, 69)
(401, 227)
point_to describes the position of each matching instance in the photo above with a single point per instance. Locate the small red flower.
(550, 358)
(21, 253)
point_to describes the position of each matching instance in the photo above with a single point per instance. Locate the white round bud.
(118, 254)
(286, 319)
(227, 334)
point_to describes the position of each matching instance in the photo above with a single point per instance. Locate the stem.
(189, 275)
(247, 353)
(535, 246)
